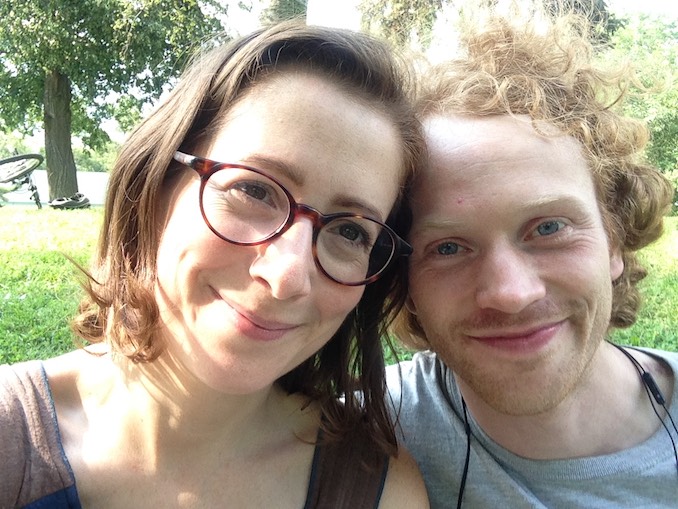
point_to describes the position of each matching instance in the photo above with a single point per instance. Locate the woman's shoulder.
(22, 386)
(33, 464)
(24, 395)
(76, 372)
(404, 487)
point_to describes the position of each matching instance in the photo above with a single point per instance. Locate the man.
(525, 231)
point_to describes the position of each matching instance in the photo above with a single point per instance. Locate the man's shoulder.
(423, 384)
(664, 361)
(669, 356)
(424, 366)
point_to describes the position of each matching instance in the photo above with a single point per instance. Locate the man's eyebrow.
(544, 201)
(281, 167)
(440, 222)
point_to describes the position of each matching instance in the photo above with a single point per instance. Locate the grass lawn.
(657, 324)
(39, 289)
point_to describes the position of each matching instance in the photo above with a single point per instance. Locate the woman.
(243, 220)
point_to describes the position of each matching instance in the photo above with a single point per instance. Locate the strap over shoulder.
(347, 474)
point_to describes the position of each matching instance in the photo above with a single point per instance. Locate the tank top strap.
(346, 474)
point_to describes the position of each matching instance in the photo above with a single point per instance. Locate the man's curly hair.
(545, 69)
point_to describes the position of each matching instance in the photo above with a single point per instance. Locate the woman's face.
(237, 318)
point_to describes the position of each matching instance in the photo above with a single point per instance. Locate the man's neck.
(609, 411)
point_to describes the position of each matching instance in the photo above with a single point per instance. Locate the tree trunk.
(61, 175)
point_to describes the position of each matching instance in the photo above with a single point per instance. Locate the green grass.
(657, 324)
(39, 290)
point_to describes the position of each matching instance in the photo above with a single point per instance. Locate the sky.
(667, 8)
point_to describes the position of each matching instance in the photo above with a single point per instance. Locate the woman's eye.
(549, 228)
(448, 248)
(256, 191)
(350, 232)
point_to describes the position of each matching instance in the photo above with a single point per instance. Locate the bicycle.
(18, 170)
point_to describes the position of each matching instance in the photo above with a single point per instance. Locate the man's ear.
(616, 263)
(409, 305)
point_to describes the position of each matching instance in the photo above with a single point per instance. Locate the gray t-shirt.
(432, 427)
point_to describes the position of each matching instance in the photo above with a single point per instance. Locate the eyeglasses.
(244, 206)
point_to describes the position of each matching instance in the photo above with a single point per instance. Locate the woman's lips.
(250, 328)
(255, 327)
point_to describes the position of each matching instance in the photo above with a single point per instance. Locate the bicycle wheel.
(15, 167)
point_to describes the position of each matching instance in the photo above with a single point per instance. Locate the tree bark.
(61, 174)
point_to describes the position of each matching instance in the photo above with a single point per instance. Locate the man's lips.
(531, 338)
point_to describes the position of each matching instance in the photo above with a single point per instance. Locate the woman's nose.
(286, 263)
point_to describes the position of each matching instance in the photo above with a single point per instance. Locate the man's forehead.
(476, 153)
(458, 141)
(441, 125)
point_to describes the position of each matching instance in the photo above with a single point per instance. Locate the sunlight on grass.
(39, 290)
(24, 228)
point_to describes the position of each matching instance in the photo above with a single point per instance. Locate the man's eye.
(549, 228)
(448, 248)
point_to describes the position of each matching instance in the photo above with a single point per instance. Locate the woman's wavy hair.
(545, 68)
(119, 307)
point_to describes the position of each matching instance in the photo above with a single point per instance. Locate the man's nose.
(508, 280)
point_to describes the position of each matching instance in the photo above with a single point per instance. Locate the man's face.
(511, 273)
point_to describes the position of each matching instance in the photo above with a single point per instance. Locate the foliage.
(401, 21)
(280, 10)
(71, 64)
(650, 46)
(39, 290)
(106, 48)
(100, 160)
(411, 22)
(603, 23)
(12, 144)
(663, 148)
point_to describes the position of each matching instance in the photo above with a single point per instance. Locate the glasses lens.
(353, 249)
(244, 206)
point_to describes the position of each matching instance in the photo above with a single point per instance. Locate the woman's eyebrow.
(266, 162)
(279, 166)
(350, 202)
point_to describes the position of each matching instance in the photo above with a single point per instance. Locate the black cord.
(654, 394)
(464, 475)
